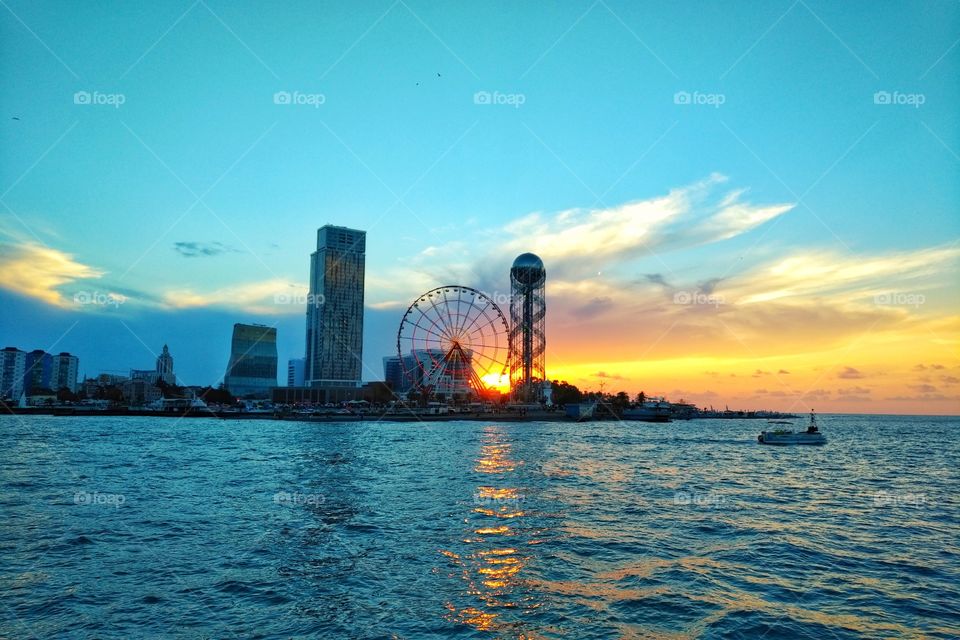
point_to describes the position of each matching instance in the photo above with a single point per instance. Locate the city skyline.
(742, 225)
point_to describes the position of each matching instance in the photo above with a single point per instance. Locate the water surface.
(193, 528)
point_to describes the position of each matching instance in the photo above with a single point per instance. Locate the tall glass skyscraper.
(335, 308)
(252, 371)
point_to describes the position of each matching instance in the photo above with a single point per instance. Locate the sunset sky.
(744, 204)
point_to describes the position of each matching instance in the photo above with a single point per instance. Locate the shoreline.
(553, 416)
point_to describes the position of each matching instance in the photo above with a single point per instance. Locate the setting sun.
(498, 381)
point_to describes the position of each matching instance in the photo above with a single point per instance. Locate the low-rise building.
(295, 372)
(139, 392)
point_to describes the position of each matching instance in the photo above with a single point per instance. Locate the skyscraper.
(528, 312)
(252, 371)
(335, 308)
(165, 367)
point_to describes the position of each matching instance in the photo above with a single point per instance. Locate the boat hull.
(787, 439)
(646, 417)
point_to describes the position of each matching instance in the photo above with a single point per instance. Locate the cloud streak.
(689, 216)
(201, 249)
(39, 272)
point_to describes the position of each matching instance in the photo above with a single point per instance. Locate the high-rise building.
(252, 370)
(334, 338)
(165, 367)
(13, 365)
(528, 310)
(38, 372)
(64, 372)
(295, 372)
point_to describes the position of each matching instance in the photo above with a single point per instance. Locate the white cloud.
(268, 297)
(685, 217)
(40, 272)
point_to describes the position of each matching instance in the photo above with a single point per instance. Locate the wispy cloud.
(689, 216)
(40, 272)
(850, 373)
(608, 376)
(201, 249)
(268, 297)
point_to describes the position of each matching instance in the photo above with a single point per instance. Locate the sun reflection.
(494, 455)
(501, 530)
(492, 572)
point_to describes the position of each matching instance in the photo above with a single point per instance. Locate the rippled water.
(139, 527)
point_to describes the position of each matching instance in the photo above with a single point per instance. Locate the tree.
(169, 390)
(641, 397)
(216, 396)
(621, 400)
(111, 393)
(65, 395)
(565, 393)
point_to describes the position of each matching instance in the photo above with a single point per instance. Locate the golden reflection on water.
(492, 570)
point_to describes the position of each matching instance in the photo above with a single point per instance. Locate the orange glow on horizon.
(496, 381)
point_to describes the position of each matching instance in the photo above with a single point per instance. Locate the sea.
(120, 527)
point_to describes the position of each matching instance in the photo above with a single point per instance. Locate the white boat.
(786, 436)
(650, 411)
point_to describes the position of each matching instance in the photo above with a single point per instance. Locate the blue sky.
(199, 152)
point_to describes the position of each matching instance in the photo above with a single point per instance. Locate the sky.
(744, 204)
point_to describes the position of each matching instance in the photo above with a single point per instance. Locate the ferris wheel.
(454, 340)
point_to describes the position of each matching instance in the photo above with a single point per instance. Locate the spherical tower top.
(528, 261)
(528, 269)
